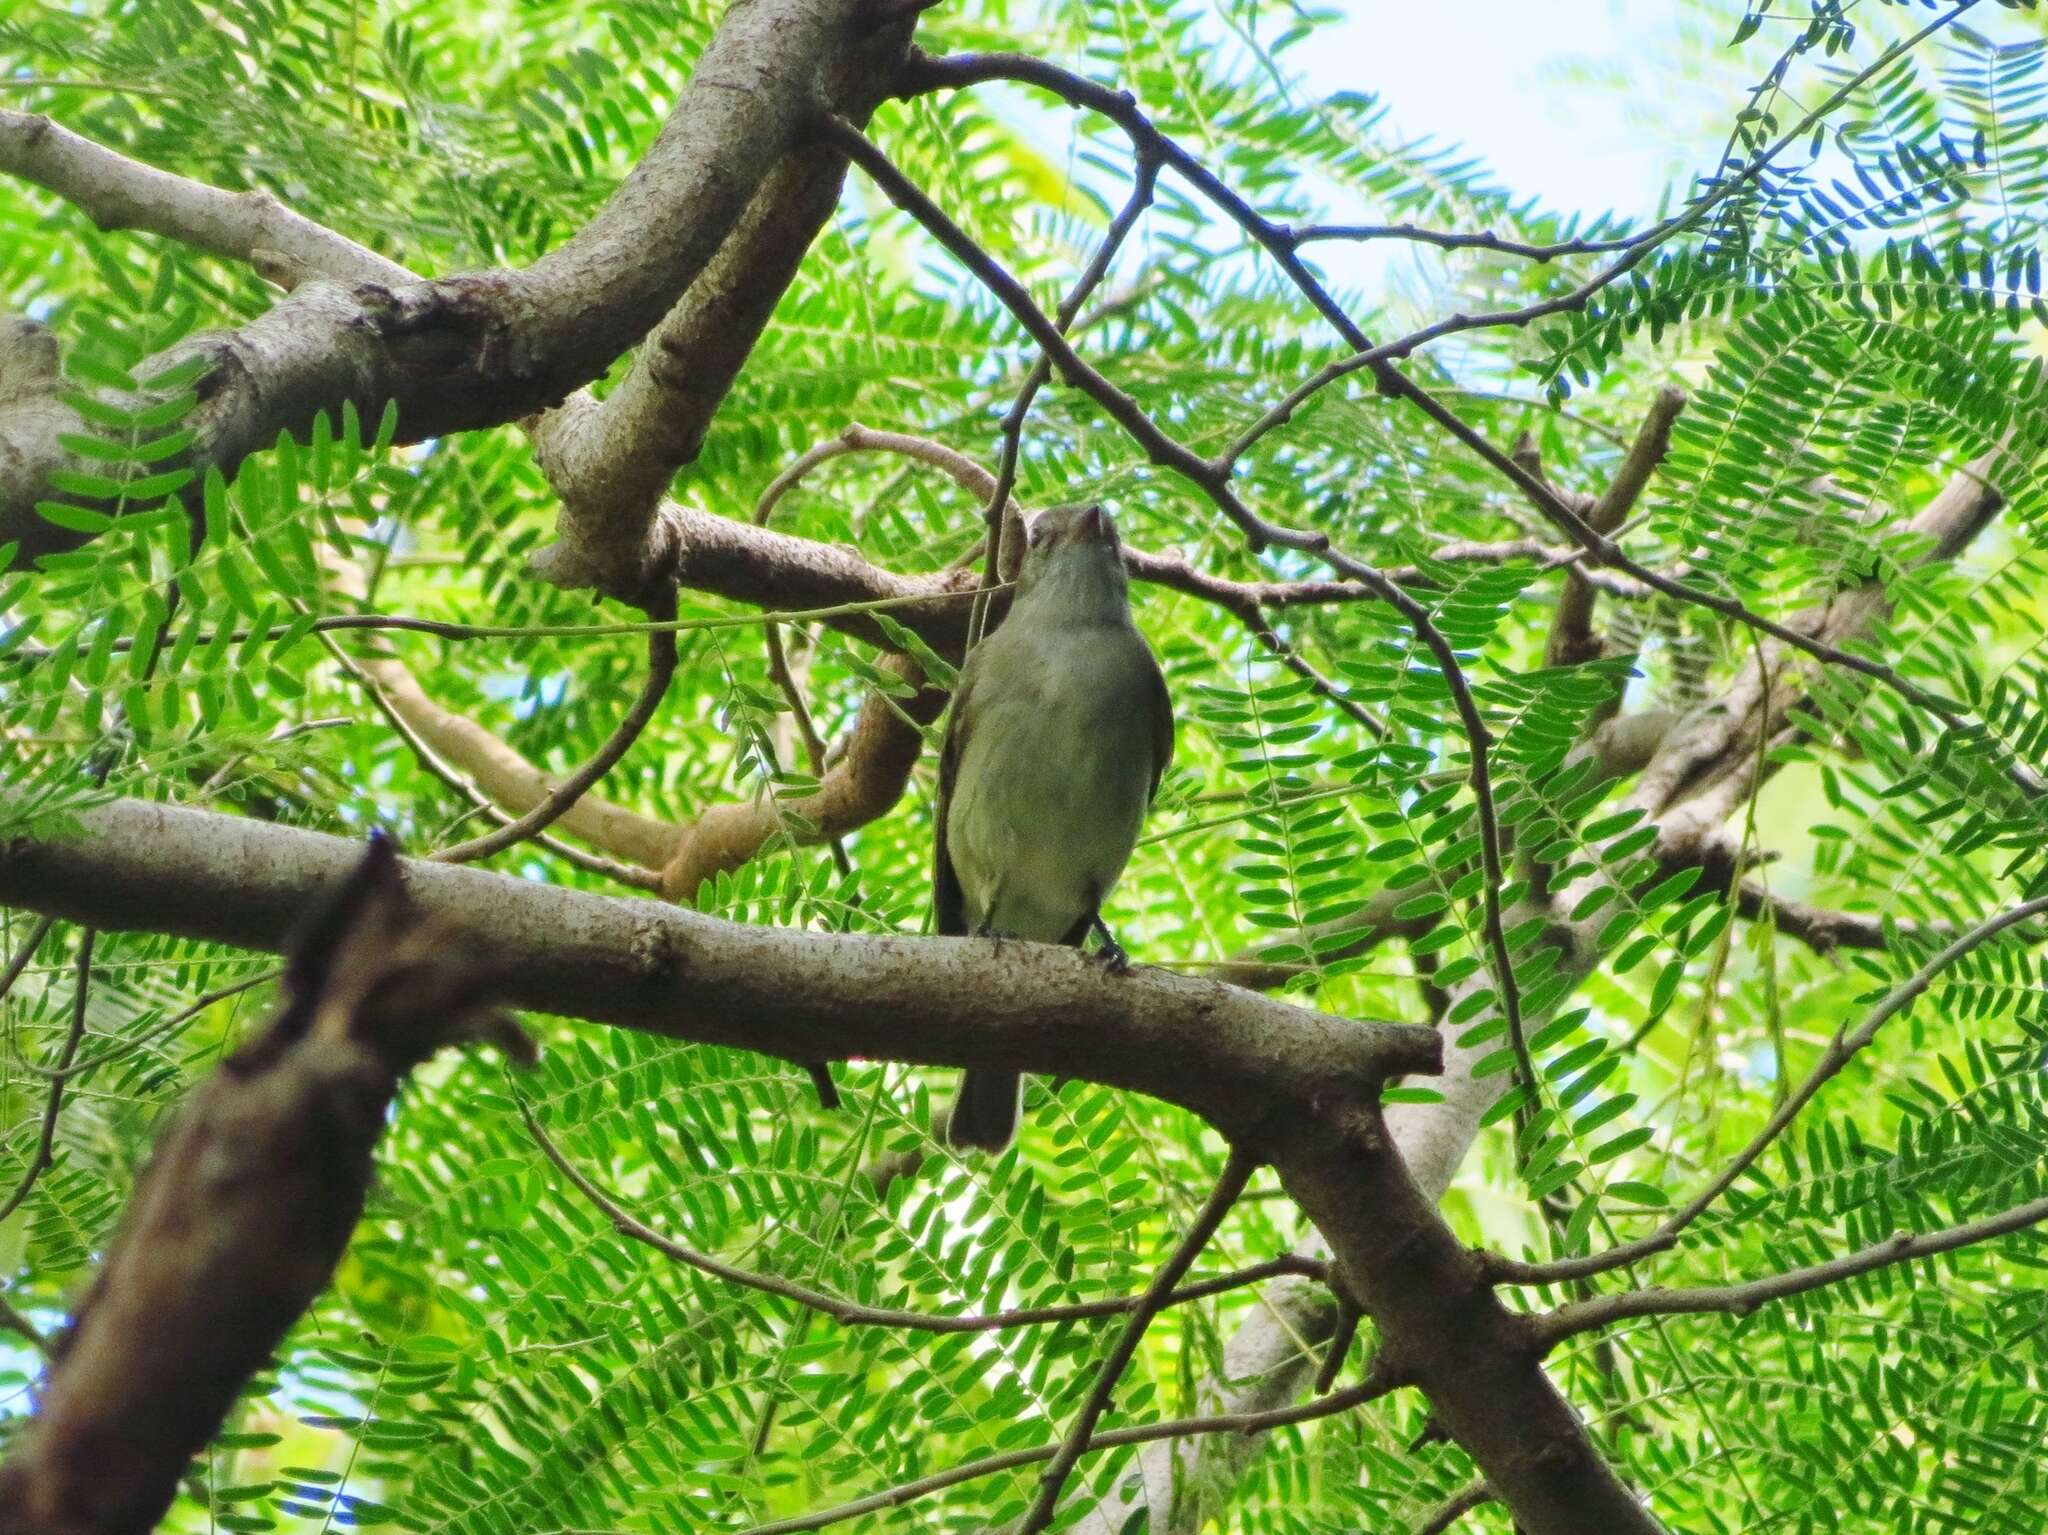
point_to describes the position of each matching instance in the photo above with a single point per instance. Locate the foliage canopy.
(1851, 329)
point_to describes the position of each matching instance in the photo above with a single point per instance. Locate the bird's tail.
(985, 1113)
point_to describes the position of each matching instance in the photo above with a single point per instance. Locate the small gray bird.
(1060, 732)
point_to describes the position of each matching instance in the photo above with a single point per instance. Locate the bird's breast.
(1051, 785)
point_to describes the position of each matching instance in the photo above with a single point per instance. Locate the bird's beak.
(1093, 524)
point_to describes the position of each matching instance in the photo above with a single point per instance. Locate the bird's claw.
(1110, 954)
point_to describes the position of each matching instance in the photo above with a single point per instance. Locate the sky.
(1589, 105)
(1530, 85)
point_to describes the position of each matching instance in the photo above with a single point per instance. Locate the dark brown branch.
(1004, 553)
(661, 670)
(1237, 1172)
(1842, 1049)
(1821, 928)
(37, 932)
(242, 1213)
(1741, 1299)
(1454, 1508)
(1160, 447)
(1347, 1400)
(855, 1313)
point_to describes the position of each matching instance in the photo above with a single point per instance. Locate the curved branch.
(856, 1314)
(1237, 1173)
(862, 786)
(562, 798)
(1454, 1508)
(1740, 1299)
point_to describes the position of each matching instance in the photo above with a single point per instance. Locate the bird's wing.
(1162, 717)
(949, 904)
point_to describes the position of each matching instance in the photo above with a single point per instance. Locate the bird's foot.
(995, 935)
(1108, 952)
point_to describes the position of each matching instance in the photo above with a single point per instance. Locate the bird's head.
(1074, 545)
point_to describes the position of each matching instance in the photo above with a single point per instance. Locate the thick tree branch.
(116, 192)
(611, 461)
(645, 965)
(483, 348)
(241, 1214)
(1263, 1073)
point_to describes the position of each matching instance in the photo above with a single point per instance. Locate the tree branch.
(483, 348)
(1571, 632)
(559, 800)
(1740, 1299)
(857, 1314)
(803, 996)
(46, 1138)
(862, 786)
(1454, 1508)
(242, 1213)
(1242, 1425)
(1237, 1172)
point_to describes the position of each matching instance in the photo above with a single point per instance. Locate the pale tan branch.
(562, 798)
(863, 785)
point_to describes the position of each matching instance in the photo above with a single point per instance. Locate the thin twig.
(855, 1313)
(36, 934)
(1842, 1049)
(1444, 239)
(1237, 1172)
(154, 1032)
(428, 758)
(1741, 1299)
(661, 669)
(1454, 1508)
(46, 1142)
(1371, 1389)
(994, 515)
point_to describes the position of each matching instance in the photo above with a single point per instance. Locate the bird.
(1060, 731)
